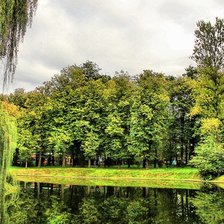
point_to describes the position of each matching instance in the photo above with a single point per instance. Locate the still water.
(39, 203)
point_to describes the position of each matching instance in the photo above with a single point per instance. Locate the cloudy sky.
(130, 35)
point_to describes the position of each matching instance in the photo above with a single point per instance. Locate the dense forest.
(83, 117)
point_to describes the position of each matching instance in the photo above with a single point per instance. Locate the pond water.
(39, 203)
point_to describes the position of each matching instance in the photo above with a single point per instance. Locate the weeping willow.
(8, 138)
(15, 16)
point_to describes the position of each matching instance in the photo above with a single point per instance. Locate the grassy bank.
(161, 174)
(162, 178)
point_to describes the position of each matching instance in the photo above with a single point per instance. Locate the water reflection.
(1, 200)
(64, 204)
(76, 204)
(209, 204)
(8, 199)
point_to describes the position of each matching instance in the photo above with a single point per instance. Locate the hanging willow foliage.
(8, 138)
(15, 16)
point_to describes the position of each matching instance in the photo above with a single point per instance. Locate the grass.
(162, 173)
(187, 178)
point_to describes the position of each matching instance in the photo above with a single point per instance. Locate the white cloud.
(122, 34)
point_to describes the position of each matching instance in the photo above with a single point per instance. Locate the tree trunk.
(26, 164)
(63, 159)
(38, 190)
(89, 163)
(155, 159)
(39, 161)
(52, 157)
(186, 155)
(146, 163)
(143, 163)
(73, 158)
(129, 163)
(63, 192)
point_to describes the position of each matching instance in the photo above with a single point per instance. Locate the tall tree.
(181, 140)
(209, 95)
(149, 116)
(118, 106)
(209, 44)
(15, 16)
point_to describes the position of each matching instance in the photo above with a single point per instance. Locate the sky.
(129, 35)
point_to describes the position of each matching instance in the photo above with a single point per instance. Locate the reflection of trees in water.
(72, 204)
(2, 208)
(7, 145)
(102, 205)
(8, 198)
(209, 205)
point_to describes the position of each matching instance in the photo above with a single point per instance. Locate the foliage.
(209, 157)
(90, 145)
(149, 115)
(88, 212)
(8, 138)
(209, 206)
(209, 44)
(118, 120)
(57, 214)
(84, 115)
(209, 97)
(15, 17)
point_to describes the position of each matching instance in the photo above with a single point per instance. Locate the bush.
(209, 158)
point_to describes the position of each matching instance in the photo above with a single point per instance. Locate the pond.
(40, 203)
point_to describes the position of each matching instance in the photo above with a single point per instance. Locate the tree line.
(88, 116)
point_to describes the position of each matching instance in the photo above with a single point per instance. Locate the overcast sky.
(130, 35)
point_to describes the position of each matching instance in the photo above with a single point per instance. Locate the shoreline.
(181, 178)
(159, 178)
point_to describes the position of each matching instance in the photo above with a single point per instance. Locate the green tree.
(209, 153)
(90, 146)
(118, 104)
(60, 139)
(209, 44)
(26, 145)
(181, 138)
(37, 120)
(149, 117)
(209, 95)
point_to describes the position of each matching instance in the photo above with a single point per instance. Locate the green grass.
(162, 173)
(111, 182)
(187, 178)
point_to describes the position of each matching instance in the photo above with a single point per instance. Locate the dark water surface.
(61, 204)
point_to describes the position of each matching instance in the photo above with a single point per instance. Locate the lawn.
(187, 178)
(104, 173)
